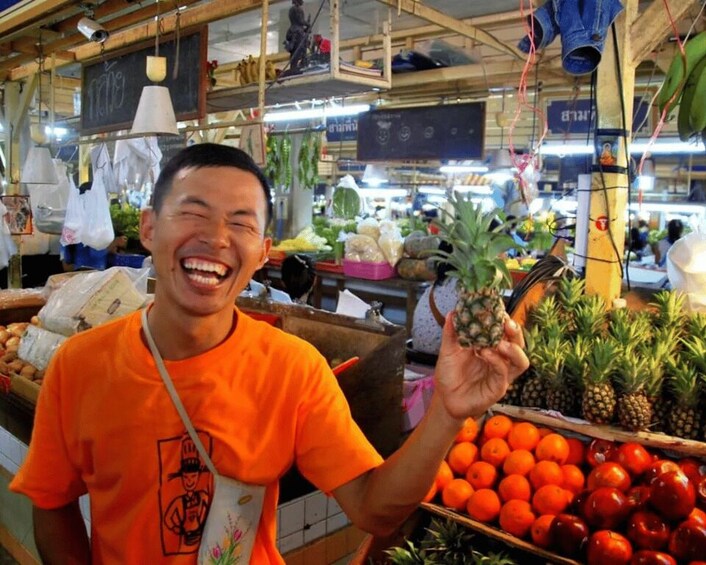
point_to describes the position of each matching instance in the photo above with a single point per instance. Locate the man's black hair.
(208, 155)
(675, 228)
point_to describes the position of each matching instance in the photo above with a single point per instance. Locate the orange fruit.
(574, 479)
(482, 475)
(468, 432)
(443, 476)
(552, 447)
(546, 473)
(456, 494)
(516, 517)
(540, 531)
(544, 432)
(484, 505)
(515, 487)
(460, 457)
(519, 462)
(497, 427)
(577, 451)
(431, 493)
(523, 435)
(495, 451)
(550, 499)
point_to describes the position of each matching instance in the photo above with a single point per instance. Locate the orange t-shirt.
(261, 401)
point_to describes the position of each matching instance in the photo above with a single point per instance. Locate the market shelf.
(296, 88)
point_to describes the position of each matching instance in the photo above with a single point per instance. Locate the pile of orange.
(512, 474)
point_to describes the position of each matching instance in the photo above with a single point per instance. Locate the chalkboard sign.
(111, 89)
(170, 145)
(431, 132)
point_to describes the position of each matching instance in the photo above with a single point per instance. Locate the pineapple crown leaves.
(447, 542)
(670, 307)
(694, 353)
(492, 559)
(575, 362)
(570, 291)
(546, 311)
(551, 361)
(590, 316)
(632, 370)
(476, 256)
(601, 360)
(696, 325)
(407, 555)
(684, 383)
(668, 339)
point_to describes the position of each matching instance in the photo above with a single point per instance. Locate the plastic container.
(366, 270)
(133, 260)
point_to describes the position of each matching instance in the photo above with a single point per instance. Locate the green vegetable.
(346, 202)
(126, 221)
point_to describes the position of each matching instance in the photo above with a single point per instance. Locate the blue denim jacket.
(583, 26)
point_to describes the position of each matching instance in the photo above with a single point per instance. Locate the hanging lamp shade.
(39, 167)
(155, 113)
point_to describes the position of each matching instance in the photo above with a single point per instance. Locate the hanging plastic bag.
(98, 232)
(686, 268)
(74, 220)
(7, 245)
(49, 201)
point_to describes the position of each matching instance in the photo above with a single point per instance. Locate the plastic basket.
(125, 260)
(370, 271)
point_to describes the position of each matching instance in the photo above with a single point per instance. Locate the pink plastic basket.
(365, 270)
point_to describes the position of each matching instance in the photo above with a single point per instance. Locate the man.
(260, 400)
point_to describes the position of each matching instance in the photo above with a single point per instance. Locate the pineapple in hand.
(481, 272)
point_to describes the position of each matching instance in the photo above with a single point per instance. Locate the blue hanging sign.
(576, 117)
(342, 128)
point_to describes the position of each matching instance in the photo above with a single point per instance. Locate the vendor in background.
(437, 300)
(675, 229)
(512, 232)
(298, 277)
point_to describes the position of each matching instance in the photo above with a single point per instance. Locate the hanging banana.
(690, 102)
(677, 76)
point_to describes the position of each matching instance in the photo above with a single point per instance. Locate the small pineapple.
(685, 416)
(561, 391)
(545, 313)
(513, 394)
(590, 316)
(534, 389)
(628, 327)
(658, 393)
(599, 399)
(481, 272)
(569, 295)
(634, 408)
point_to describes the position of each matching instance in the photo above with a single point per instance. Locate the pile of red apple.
(638, 509)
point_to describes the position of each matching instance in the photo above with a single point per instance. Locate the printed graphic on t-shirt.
(185, 487)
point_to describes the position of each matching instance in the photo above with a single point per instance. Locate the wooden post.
(606, 231)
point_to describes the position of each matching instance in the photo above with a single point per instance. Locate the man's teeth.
(208, 267)
(203, 280)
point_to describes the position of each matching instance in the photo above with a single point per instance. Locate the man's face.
(208, 239)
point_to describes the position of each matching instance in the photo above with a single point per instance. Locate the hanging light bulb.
(155, 112)
(38, 167)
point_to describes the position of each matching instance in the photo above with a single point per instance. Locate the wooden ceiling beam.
(27, 14)
(650, 28)
(459, 26)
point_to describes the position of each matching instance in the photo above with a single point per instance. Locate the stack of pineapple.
(642, 370)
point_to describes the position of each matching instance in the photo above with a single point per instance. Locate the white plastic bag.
(74, 219)
(98, 232)
(49, 201)
(686, 269)
(7, 245)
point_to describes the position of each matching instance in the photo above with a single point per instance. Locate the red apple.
(688, 541)
(606, 508)
(606, 547)
(638, 497)
(608, 474)
(697, 562)
(647, 557)
(646, 530)
(568, 534)
(697, 515)
(657, 468)
(578, 504)
(673, 495)
(634, 458)
(599, 451)
(701, 492)
(693, 469)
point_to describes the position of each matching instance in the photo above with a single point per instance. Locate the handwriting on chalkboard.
(106, 92)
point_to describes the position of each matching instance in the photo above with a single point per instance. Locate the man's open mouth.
(205, 272)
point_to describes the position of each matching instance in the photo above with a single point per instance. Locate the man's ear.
(266, 246)
(147, 224)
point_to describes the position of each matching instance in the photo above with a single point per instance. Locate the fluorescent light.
(316, 113)
(564, 150)
(661, 147)
(451, 169)
(432, 190)
(669, 207)
(382, 192)
(486, 190)
(645, 182)
(57, 132)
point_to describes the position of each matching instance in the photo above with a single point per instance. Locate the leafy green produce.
(126, 221)
(346, 202)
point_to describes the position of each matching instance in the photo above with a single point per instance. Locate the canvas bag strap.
(438, 316)
(175, 395)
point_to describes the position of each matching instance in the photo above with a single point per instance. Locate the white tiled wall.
(301, 521)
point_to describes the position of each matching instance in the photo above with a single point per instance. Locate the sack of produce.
(369, 226)
(416, 269)
(391, 243)
(418, 245)
(37, 346)
(363, 248)
(346, 200)
(90, 299)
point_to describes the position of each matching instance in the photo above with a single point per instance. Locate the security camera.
(92, 30)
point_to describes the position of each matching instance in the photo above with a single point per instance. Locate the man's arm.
(60, 535)
(466, 385)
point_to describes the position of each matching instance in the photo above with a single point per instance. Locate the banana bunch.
(685, 84)
(249, 69)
